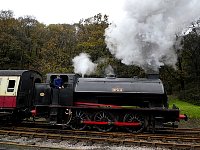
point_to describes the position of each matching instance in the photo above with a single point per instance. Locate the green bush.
(192, 111)
(191, 96)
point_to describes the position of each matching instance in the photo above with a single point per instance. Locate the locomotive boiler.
(135, 104)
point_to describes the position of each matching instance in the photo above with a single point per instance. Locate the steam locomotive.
(135, 104)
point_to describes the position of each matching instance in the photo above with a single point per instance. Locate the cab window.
(63, 77)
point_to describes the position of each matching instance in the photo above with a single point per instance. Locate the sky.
(62, 11)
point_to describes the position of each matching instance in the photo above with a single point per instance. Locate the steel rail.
(144, 136)
(192, 143)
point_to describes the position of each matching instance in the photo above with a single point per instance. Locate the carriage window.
(11, 86)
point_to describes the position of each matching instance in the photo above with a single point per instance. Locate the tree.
(58, 48)
(90, 36)
(9, 43)
(191, 64)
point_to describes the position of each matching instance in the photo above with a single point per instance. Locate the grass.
(192, 111)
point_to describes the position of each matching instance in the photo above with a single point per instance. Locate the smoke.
(83, 65)
(109, 70)
(145, 35)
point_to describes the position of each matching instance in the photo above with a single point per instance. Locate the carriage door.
(11, 88)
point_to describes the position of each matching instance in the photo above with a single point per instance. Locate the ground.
(191, 123)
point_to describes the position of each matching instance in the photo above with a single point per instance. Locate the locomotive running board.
(95, 105)
(134, 124)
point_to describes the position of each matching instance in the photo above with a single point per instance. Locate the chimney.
(153, 76)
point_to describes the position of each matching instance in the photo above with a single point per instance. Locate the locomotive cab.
(48, 94)
(64, 95)
(51, 102)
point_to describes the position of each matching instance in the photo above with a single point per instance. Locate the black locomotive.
(135, 104)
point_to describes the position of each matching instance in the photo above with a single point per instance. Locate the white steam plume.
(144, 36)
(83, 65)
(109, 70)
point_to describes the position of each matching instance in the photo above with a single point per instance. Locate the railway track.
(179, 139)
(43, 127)
(192, 132)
